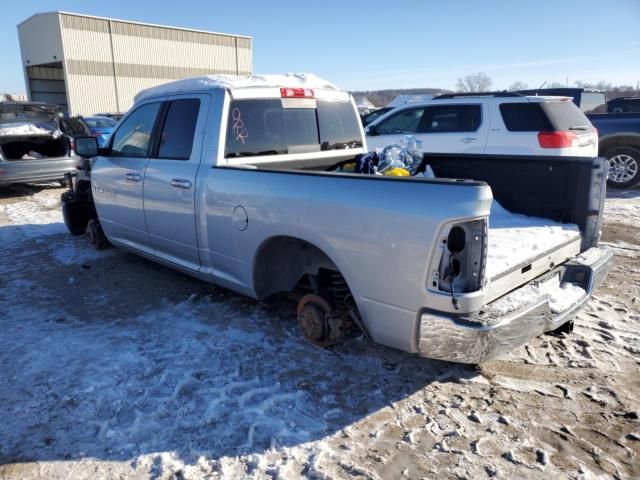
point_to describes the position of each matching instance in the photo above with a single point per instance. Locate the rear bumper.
(22, 171)
(515, 318)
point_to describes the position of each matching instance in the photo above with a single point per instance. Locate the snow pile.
(566, 296)
(25, 128)
(560, 297)
(292, 80)
(516, 239)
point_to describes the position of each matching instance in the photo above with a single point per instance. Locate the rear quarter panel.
(380, 233)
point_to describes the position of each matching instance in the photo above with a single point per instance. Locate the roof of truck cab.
(235, 82)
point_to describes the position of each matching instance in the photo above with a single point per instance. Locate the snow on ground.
(622, 206)
(115, 367)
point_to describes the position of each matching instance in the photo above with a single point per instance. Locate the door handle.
(132, 177)
(468, 140)
(180, 183)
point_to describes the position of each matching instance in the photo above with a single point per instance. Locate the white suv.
(498, 123)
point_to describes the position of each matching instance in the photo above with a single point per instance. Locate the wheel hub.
(622, 168)
(313, 317)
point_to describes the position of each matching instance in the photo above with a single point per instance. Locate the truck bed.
(517, 240)
(545, 210)
(518, 243)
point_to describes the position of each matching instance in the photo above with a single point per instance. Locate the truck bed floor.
(516, 240)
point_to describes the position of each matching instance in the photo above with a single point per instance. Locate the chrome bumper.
(488, 334)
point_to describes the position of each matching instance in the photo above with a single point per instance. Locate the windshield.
(272, 127)
(27, 121)
(26, 115)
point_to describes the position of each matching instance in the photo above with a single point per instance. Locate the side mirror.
(370, 130)
(87, 147)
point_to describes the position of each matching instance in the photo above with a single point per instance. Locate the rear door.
(117, 178)
(170, 180)
(515, 128)
(453, 128)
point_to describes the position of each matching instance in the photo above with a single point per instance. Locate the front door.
(394, 128)
(117, 178)
(170, 180)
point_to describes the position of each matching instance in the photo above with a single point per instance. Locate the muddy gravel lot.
(114, 367)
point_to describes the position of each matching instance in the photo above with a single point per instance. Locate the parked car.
(586, 99)
(498, 123)
(619, 140)
(624, 105)
(37, 142)
(620, 145)
(237, 182)
(100, 127)
(114, 116)
(369, 117)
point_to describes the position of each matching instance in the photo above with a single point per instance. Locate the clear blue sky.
(391, 44)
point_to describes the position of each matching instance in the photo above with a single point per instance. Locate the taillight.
(72, 147)
(461, 266)
(296, 92)
(559, 139)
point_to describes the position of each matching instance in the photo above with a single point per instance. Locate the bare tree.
(518, 85)
(478, 82)
(601, 85)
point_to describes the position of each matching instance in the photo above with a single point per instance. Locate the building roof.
(133, 22)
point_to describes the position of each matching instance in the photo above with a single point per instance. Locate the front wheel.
(624, 167)
(96, 236)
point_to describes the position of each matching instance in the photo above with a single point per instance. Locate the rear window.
(267, 127)
(26, 115)
(524, 117)
(565, 115)
(589, 101)
(339, 125)
(624, 106)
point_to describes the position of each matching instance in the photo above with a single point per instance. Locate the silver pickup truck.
(237, 181)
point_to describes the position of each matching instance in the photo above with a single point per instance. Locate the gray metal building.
(92, 64)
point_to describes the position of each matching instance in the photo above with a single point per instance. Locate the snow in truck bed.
(515, 239)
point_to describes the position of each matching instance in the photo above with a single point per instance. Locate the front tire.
(96, 236)
(624, 167)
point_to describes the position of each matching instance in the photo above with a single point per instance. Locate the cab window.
(133, 136)
(178, 131)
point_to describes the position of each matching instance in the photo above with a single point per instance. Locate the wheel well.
(281, 262)
(607, 144)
